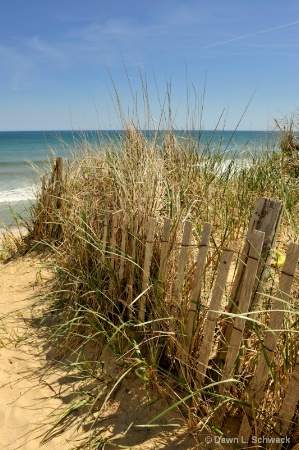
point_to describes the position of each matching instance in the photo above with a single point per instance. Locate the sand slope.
(26, 398)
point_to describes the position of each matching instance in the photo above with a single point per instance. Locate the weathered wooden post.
(44, 192)
(56, 195)
(43, 186)
(59, 178)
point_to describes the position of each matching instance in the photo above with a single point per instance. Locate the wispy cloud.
(95, 32)
(125, 34)
(16, 68)
(244, 36)
(48, 51)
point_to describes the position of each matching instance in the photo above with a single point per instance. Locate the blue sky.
(58, 60)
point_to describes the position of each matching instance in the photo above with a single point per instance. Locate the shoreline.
(13, 229)
(13, 212)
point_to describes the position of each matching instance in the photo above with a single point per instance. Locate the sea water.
(26, 155)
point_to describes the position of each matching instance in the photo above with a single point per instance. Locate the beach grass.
(139, 178)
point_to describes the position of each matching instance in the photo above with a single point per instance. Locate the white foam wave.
(18, 194)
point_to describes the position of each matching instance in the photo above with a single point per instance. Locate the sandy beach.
(27, 394)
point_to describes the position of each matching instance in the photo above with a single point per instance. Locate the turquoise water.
(19, 150)
(24, 158)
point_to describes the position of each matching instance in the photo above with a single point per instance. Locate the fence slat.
(181, 267)
(213, 313)
(266, 217)
(122, 251)
(131, 268)
(147, 265)
(177, 292)
(256, 243)
(288, 406)
(105, 235)
(163, 257)
(115, 218)
(200, 267)
(276, 320)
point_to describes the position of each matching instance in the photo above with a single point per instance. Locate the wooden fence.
(164, 277)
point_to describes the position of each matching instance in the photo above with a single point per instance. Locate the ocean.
(25, 156)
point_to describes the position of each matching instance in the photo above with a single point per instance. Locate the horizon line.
(70, 130)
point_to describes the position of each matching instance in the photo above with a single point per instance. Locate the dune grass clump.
(95, 296)
(289, 145)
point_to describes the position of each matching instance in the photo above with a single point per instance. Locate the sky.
(74, 64)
